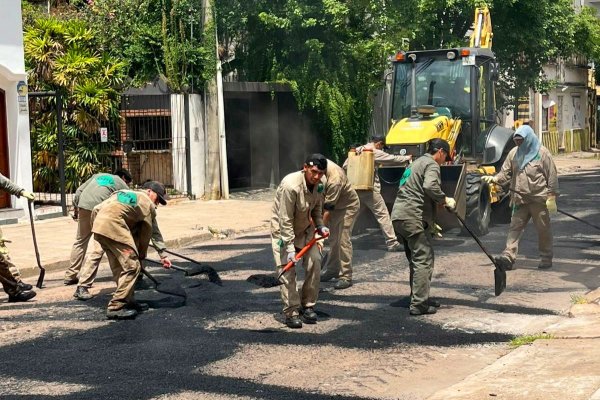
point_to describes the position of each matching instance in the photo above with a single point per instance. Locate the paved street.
(229, 343)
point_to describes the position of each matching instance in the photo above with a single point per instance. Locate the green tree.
(63, 56)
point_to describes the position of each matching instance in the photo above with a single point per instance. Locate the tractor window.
(486, 104)
(442, 83)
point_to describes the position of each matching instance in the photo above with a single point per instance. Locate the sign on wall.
(103, 135)
(22, 96)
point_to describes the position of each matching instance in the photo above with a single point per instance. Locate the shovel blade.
(499, 281)
(213, 276)
(40, 280)
(263, 280)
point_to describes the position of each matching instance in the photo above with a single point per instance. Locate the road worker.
(96, 190)
(372, 199)
(298, 204)
(123, 225)
(87, 196)
(530, 171)
(414, 213)
(341, 206)
(10, 276)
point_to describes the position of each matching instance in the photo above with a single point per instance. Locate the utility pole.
(213, 170)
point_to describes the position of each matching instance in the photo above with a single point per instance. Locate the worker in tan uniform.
(123, 225)
(340, 206)
(87, 196)
(529, 170)
(298, 204)
(372, 199)
(10, 277)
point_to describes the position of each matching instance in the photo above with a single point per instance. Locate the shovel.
(213, 276)
(202, 269)
(40, 280)
(499, 273)
(268, 281)
(166, 288)
(562, 212)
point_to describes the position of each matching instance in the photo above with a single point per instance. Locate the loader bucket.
(453, 184)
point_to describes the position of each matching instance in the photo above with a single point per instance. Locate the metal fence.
(142, 140)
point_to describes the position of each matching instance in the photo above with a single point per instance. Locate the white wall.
(178, 144)
(197, 145)
(12, 70)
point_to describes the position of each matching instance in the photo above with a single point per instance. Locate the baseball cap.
(437, 144)
(317, 160)
(378, 138)
(159, 189)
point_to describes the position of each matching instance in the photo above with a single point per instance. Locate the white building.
(15, 148)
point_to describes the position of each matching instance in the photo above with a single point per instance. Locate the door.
(4, 196)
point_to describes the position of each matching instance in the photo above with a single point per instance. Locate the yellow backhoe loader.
(449, 94)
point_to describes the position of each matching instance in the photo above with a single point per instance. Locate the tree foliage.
(63, 56)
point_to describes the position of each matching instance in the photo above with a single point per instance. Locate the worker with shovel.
(10, 277)
(87, 196)
(372, 199)
(298, 203)
(341, 206)
(414, 213)
(531, 174)
(123, 225)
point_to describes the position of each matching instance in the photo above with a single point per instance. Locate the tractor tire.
(479, 209)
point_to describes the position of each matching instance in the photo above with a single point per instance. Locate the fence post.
(188, 160)
(61, 154)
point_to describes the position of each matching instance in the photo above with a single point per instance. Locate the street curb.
(174, 243)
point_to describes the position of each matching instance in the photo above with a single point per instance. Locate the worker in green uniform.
(413, 215)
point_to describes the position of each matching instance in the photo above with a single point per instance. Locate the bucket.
(361, 169)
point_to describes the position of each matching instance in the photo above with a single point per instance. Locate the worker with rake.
(298, 203)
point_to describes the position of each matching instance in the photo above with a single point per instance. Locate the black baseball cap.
(159, 189)
(378, 138)
(436, 144)
(317, 160)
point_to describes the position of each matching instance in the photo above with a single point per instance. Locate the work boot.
(123, 313)
(309, 315)
(504, 263)
(82, 293)
(417, 311)
(21, 296)
(328, 274)
(545, 265)
(342, 284)
(293, 322)
(396, 247)
(139, 307)
(71, 281)
(24, 286)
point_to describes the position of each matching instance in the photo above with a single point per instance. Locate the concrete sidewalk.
(181, 222)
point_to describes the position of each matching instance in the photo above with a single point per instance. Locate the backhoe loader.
(449, 94)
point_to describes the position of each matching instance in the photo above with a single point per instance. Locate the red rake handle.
(302, 252)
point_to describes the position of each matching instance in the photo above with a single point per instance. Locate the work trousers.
(125, 266)
(538, 212)
(341, 223)
(16, 274)
(292, 300)
(82, 239)
(374, 202)
(6, 277)
(419, 252)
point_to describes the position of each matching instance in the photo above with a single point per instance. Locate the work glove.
(27, 195)
(436, 230)
(291, 257)
(450, 204)
(551, 204)
(322, 230)
(166, 263)
(489, 179)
